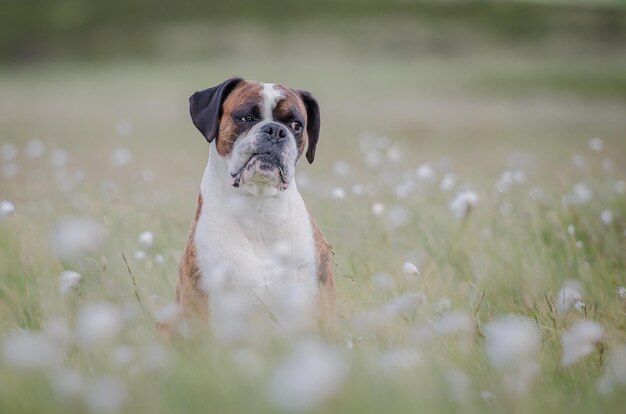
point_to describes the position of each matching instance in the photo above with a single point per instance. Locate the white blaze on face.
(270, 96)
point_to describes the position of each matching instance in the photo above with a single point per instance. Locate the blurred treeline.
(35, 30)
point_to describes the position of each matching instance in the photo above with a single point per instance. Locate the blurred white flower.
(442, 305)
(167, 313)
(159, 259)
(569, 294)
(512, 344)
(620, 187)
(66, 383)
(341, 167)
(9, 151)
(73, 237)
(394, 154)
(105, 393)
(27, 349)
(571, 230)
(405, 304)
(463, 203)
(447, 182)
(59, 157)
(580, 340)
(69, 280)
(7, 208)
(581, 193)
(338, 193)
(425, 172)
(606, 216)
(621, 291)
(409, 269)
(596, 144)
(139, 255)
(378, 209)
(146, 239)
(121, 156)
(398, 359)
(35, 148)
(123, 127)
(310, 375)
(614, 371)
(382, 281)
(97, 324)
(358, 189)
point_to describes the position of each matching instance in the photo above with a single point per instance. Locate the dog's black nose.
(275, 132)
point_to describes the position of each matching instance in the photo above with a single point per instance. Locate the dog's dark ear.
(312, 123)
(205, 107)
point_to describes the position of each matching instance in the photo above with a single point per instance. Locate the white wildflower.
(571, 230)
(310, 375)
(338, 193)
(606, 216)
(383, 282)
(447, 182)
(73, 237)
(139, 255)
(463, 203)
(442, 305)
(121, 156)
(341, 168)
(27, 349)
(59, 157)
(378, 209)
(159, 259)
(614, 371)
(105, 394)
(146, 239)
(581, 193)
(7, 208)
(425, 172)
(97, 324)
(409, 269)
(596, 144)
(69, 280)
(619, 187)
(569, 294)
(35, 148)
(580, 340)
(512, 344)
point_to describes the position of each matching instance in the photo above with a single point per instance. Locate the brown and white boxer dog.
(252, 231)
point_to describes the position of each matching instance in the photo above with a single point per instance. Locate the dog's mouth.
(262, 168)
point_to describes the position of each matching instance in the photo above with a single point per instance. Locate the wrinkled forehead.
(267, 100)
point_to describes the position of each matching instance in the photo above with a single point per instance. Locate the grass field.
(401, 137)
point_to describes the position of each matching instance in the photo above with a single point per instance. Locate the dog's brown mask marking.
(216, 112)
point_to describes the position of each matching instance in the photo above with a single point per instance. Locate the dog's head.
(261, 130)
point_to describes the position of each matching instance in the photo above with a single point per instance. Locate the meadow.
(475, 200)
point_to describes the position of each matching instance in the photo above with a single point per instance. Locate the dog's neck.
(217, 191)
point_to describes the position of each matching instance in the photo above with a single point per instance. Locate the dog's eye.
(247, 118)
(296, 126)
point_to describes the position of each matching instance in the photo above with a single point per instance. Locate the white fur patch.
(270, 95)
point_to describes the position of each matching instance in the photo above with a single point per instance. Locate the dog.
(252, 232)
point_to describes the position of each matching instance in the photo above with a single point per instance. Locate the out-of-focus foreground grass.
(402, 133)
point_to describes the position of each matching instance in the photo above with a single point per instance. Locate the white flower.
(59, 157)
(442, 305)
(382, 281)
(378, 209)
(105, 394)
(310, 375)
(606, 216)
(621, 291)
(139, 255)
(97, 324)
(462, 203)
(338, 193)
(35, 148)
(512, 344)
(581, 193)
(341, 168)
(596, 144)
(69, 280)
(447, 182)
(121, 156)
(73, 237)
(9, 151)
(614, 370)
(405, 304)
(30, 350)
(579, 340)
(159, 259)
(568, 296)
(409, 269)
(146, 239)
(425, 172)
(6, 208)
(571, 230)
(619, 187)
